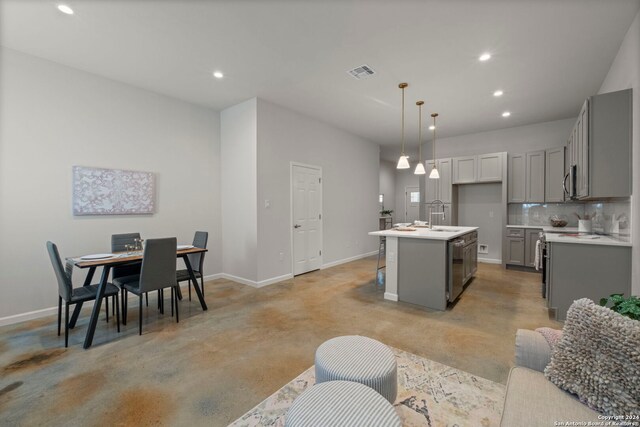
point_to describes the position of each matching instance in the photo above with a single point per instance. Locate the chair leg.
(202, 284)
(59, 313)
(106, 306)
(113, 304)
(140, 318)
(117, 304)
(123, 295)
(189, 289)
(147, 298)
(172, 292)
(176, 297)
(66, 324)
(159, 301)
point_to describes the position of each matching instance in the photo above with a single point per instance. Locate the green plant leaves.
(629, 307)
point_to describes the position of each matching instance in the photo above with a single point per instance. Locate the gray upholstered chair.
(158, 271)
(72, 296)
(119, 243)
(196, 260)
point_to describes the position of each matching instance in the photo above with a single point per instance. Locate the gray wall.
(512, 140)
(623, 74)
(388, 184)
(238, 135)
(350, 168)
(480, 205)
(53, 117)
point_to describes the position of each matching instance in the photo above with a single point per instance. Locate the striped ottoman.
(341, 404)
(358, 359)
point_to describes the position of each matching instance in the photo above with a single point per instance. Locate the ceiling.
(547, 55)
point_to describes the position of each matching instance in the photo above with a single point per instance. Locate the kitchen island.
(428, 267)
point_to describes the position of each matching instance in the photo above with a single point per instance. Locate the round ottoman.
(341, 403)
(358, 359)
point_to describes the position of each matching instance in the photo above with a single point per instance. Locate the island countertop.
(439, 232)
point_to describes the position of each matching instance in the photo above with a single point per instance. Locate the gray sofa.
(530, 398)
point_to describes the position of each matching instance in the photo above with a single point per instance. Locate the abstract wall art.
(98, 191)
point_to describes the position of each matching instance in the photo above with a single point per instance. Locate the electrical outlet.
(483, 249)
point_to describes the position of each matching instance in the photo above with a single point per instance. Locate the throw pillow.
(598, 359)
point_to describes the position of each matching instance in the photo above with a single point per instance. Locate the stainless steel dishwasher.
(463, 261)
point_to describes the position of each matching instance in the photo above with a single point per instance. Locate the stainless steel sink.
(442, 230)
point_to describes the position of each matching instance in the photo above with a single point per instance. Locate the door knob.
(297, 226)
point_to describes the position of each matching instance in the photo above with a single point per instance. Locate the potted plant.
(629, 307)
(386, 212)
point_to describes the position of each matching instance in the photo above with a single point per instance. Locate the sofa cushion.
(532, 350)
(532, 400)
(598, 359)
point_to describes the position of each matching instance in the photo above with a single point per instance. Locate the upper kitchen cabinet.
(481, 168)
(464, 169)
(599, 148)
(438, 189)
(526, 178)
(553, 175)
(534, 181)
(516, 173)
(490, 167)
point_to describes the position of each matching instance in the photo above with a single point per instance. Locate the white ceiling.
(548, 55)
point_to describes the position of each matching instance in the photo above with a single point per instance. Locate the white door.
(412, 204)
(307, 218)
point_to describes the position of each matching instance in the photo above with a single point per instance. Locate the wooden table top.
(123, 258)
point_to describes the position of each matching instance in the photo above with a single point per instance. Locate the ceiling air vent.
(361, 72)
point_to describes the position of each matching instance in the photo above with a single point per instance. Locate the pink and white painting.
(98, 191)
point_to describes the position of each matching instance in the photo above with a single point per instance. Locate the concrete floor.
(214, 366)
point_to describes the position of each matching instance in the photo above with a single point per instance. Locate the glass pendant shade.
(434, 173)
(419, 169)
(403, 162)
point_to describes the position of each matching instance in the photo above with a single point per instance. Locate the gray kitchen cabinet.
(577, 271)
(554, 175)
(530, 240)
(464, 169)
(534, 177)
(599, 147)
(516, 178)
(515, 250)
(438, 189)
(444, 168)
(490, 167)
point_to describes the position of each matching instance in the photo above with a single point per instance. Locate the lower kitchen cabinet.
(521, 246)
(591, 271)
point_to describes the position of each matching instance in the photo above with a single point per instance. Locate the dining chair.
(119, 243)
(72, 295)
(196, 260)
(158, 272)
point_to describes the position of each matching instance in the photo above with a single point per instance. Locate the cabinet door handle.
(297, 226)
(564, 183)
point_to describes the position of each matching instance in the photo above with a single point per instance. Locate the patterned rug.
(429, 394)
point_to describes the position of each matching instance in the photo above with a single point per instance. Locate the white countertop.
(539, 227)
(551, 229)
(587, 239)
(450, 232)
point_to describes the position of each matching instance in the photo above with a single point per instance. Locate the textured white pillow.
(598, 359)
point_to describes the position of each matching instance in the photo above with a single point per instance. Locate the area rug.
(429, 394)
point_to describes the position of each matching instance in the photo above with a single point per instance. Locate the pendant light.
(403, 161)
(434, 172)
(420, 166)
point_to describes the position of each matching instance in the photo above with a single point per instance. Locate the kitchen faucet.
(431, 213)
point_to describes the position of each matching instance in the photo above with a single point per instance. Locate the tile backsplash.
(603, 214)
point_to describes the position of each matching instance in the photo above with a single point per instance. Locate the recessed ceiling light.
(218, 74)
(498, 93)
(485, 57)
(506, 114)
(65, 9)
(432, 127)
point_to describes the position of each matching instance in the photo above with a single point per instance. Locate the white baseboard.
(31, 315)
(390, 296)
(490, 260)
(346, 260)
(253, 283)
(213, 277)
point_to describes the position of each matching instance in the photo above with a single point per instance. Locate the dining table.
(118, 259)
